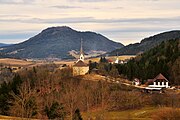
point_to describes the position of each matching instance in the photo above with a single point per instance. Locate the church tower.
(81, 52)
(80, 68)
(117, 59)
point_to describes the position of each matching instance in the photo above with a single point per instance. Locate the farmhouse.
(158, 84)
(160, 81)
(80, 68)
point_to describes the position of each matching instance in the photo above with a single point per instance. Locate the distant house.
(80, 68)
(149, 81)
(117, 60)
(136, 82)
(157, 84)
(110, 61)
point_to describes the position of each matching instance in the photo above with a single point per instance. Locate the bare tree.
(23, 104)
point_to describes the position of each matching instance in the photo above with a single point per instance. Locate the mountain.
(57, 42)
(146, 43)
(164, 58)
(3, 45)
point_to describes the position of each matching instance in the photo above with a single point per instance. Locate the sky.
(124, 21)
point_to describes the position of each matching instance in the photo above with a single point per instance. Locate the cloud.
(94, 20)
(16, 1)
(133, 30)
(93, 0)
(65, 7)
(14, 16)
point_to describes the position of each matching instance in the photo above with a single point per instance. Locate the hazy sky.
(125, 21)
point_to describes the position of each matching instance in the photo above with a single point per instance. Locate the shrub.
(167, 114)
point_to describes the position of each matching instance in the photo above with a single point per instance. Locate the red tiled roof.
(109, 60)
(160, 77)
(80, 64)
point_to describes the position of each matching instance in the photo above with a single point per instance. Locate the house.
(157, 84)
(117, 61)
(80, 68)
(110, 61)
(136, 82)
(160, 81)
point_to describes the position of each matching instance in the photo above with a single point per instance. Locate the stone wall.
(80, 70)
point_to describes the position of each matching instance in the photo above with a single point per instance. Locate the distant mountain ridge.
(146, 44)
(3, 44)
(57, 42)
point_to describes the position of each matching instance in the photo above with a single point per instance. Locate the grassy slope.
(140, 114)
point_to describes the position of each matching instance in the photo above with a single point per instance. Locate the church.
(80, 68)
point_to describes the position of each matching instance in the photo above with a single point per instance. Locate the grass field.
(140, 114)
(18, 62)
(123, 57)
(146, 113)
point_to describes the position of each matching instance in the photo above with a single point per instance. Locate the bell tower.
(117, 59)
(81, 52)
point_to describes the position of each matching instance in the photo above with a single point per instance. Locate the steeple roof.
(80, 63)
(81, 49)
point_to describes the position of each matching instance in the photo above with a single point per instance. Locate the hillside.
(146, 43)
(165, 59)
(57, 42)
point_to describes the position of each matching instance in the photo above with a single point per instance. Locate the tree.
(56, 110)
(77, 115)
(114, 72)
(23, 103)
(4, 96)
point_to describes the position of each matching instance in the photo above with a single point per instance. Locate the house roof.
(80, 63)
(110, 60)
(160, 77)
(149, 81)
(136, 80)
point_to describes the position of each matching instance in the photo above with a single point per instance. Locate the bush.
(77, 115)
(121, 100)
(167, 114)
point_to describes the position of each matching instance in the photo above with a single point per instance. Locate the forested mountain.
(146, 43)
(165, 59)
(57, 42)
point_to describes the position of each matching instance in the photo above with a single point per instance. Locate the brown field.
(71, 62)
(123, 57)
(17, 62)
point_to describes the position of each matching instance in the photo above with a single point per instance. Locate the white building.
(136, 82)
(160, 82)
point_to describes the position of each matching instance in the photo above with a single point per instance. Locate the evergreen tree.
(56, 110)
(77, 115)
